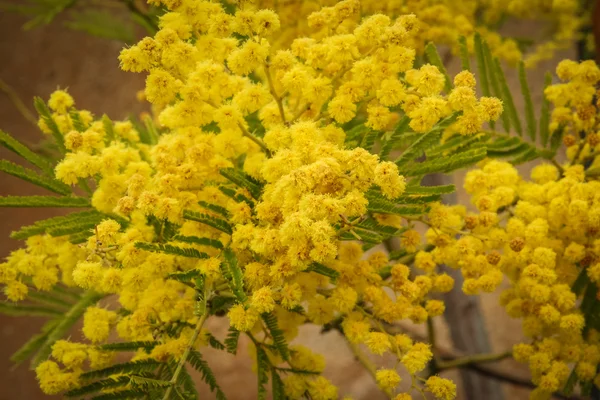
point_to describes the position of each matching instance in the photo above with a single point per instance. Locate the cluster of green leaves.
(95, 19)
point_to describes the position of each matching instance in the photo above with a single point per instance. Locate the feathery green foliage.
(199, 240)
(33, 177)
(323, 270)
(209, 220)
(130, 367)
(529, 113)
(263, 366)
(394, 138)
(65, 323)
(215, 208)
(34, 343)
(20, 149)
(44, 201)
(231, 341)
(195, 359)
(169, 249)
(243, 180)
(277, 334)
(46, 116)
(545, 113)
(233, 274)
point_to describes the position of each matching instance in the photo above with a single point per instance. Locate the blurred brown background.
(35, 63)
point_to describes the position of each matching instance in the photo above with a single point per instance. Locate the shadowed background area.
(34, 63)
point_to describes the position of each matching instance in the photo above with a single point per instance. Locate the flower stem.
(474, 359)
(278, 99)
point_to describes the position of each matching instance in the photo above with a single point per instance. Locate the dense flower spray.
(257, 190)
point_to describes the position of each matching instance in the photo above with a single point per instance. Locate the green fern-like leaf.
(215, 208)
(195, 359)
(529, 113)
(73, 229)
(464, 54)
(418, 147)
(48, 299)
(215, 343)
(169, 249)
(103, 384)
(185, 277)
(481, 65)
(232, 272)
(33, 177)
(231, 341)
(65, 324)
(43, 201)
(447, 164)
(545, 112)
(324, 270)
(242, 180)
(123, 395)
(128, 346)
(426, 190)
(263, 366)
(77, 121)
(434, 59)
(380, 204)
(277, 334)
(108, 129)
(199, 240)
(209, 220)
(393, 140)
(14, 309)
(494, 83)
(238, 197)
(277, 386)
(20, 149)
(130, 367)
(46, 116)
(42, 226)
(509, 104)
(147, 383)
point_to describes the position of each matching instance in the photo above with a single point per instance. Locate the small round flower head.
(387, 379)
(443, 389)
(60, 101)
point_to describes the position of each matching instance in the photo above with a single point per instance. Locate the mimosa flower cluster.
(443, 22)
(256, 191)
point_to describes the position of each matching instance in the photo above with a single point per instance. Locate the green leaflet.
(127, 346)
(424, 190)
(123, 395)
(380, 204)
(509, 104)
(169, 249)
(545, 112)
(209, 220)
(495, 83)
(195, 359)
(231, 341)
(77, 121)
(323, 270)
(393, 140)
(277, 334)
(418, 147)
(243, 180)
(42, 226)
(108, 129)
(529, 113)
(185, 277)
(199, 240)
(130, 367)
(263, 365)
(65, 324)
(232, 272)
(454, 144)
(43, 201)
(215, 208)
(447, 164)
(434, 59)
(464, 54)
(14, 309)
(481, 65)
(33, 177)
(46, 116)
(229, 192)
(108, 383)
(277, 386)
(18, 148)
